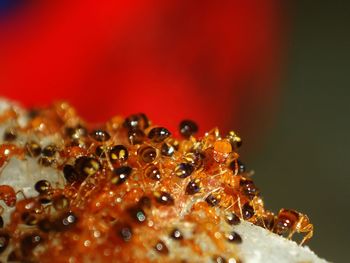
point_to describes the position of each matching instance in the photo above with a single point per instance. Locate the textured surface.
(260, 245)
(131, 216)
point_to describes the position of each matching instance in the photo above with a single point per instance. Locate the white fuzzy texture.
(22, 175)
(260, 245)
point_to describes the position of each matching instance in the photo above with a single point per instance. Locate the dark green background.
(304, 163)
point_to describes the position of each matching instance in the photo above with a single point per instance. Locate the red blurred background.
(216, 62)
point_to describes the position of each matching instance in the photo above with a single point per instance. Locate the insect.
(290, 221)
(7, 151)
(8, 195)
(124, 183)
(26, 211)
(222, 150)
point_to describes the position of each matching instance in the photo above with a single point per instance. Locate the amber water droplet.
(234, 237)
(158, 134)
(188, 128)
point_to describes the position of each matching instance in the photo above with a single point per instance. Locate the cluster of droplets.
(124, 182)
